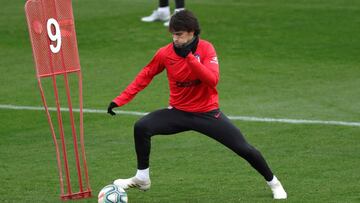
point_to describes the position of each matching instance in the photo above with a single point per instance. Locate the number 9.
(54, 37)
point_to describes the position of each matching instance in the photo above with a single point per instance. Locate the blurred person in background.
(162, 13)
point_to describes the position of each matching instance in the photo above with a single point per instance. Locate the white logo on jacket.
(214, 60)
(197, 56)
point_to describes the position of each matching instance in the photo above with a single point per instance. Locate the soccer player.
(162, 13)
(193, 73)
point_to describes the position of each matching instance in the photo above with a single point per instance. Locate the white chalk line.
(242, 118)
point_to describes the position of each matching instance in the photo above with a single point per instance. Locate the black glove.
(185, 50)
(110, 108)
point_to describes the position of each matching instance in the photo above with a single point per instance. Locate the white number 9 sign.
(54, 37)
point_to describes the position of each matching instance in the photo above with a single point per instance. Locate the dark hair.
(184, 20)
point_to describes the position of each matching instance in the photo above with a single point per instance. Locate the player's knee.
(142, 127)
(244, 150)
(250, 153)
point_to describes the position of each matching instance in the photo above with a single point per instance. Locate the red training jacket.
(192, 80)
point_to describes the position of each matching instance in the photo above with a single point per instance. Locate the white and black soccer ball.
(112, 194)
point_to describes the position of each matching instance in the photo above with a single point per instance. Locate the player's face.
(182, 37)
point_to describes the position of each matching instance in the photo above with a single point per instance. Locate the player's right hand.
(110, 108)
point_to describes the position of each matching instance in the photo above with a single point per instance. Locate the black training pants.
(178, 3)
(213, 124)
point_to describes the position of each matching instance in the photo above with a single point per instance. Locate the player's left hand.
(110, 108)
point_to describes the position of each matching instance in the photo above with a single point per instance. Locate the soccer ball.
(112, 194)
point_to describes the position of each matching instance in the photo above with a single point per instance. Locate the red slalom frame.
(54, 45)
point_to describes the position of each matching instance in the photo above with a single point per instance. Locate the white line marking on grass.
(242, 118)
(294, 121)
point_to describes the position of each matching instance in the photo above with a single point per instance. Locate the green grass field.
(278, 59)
